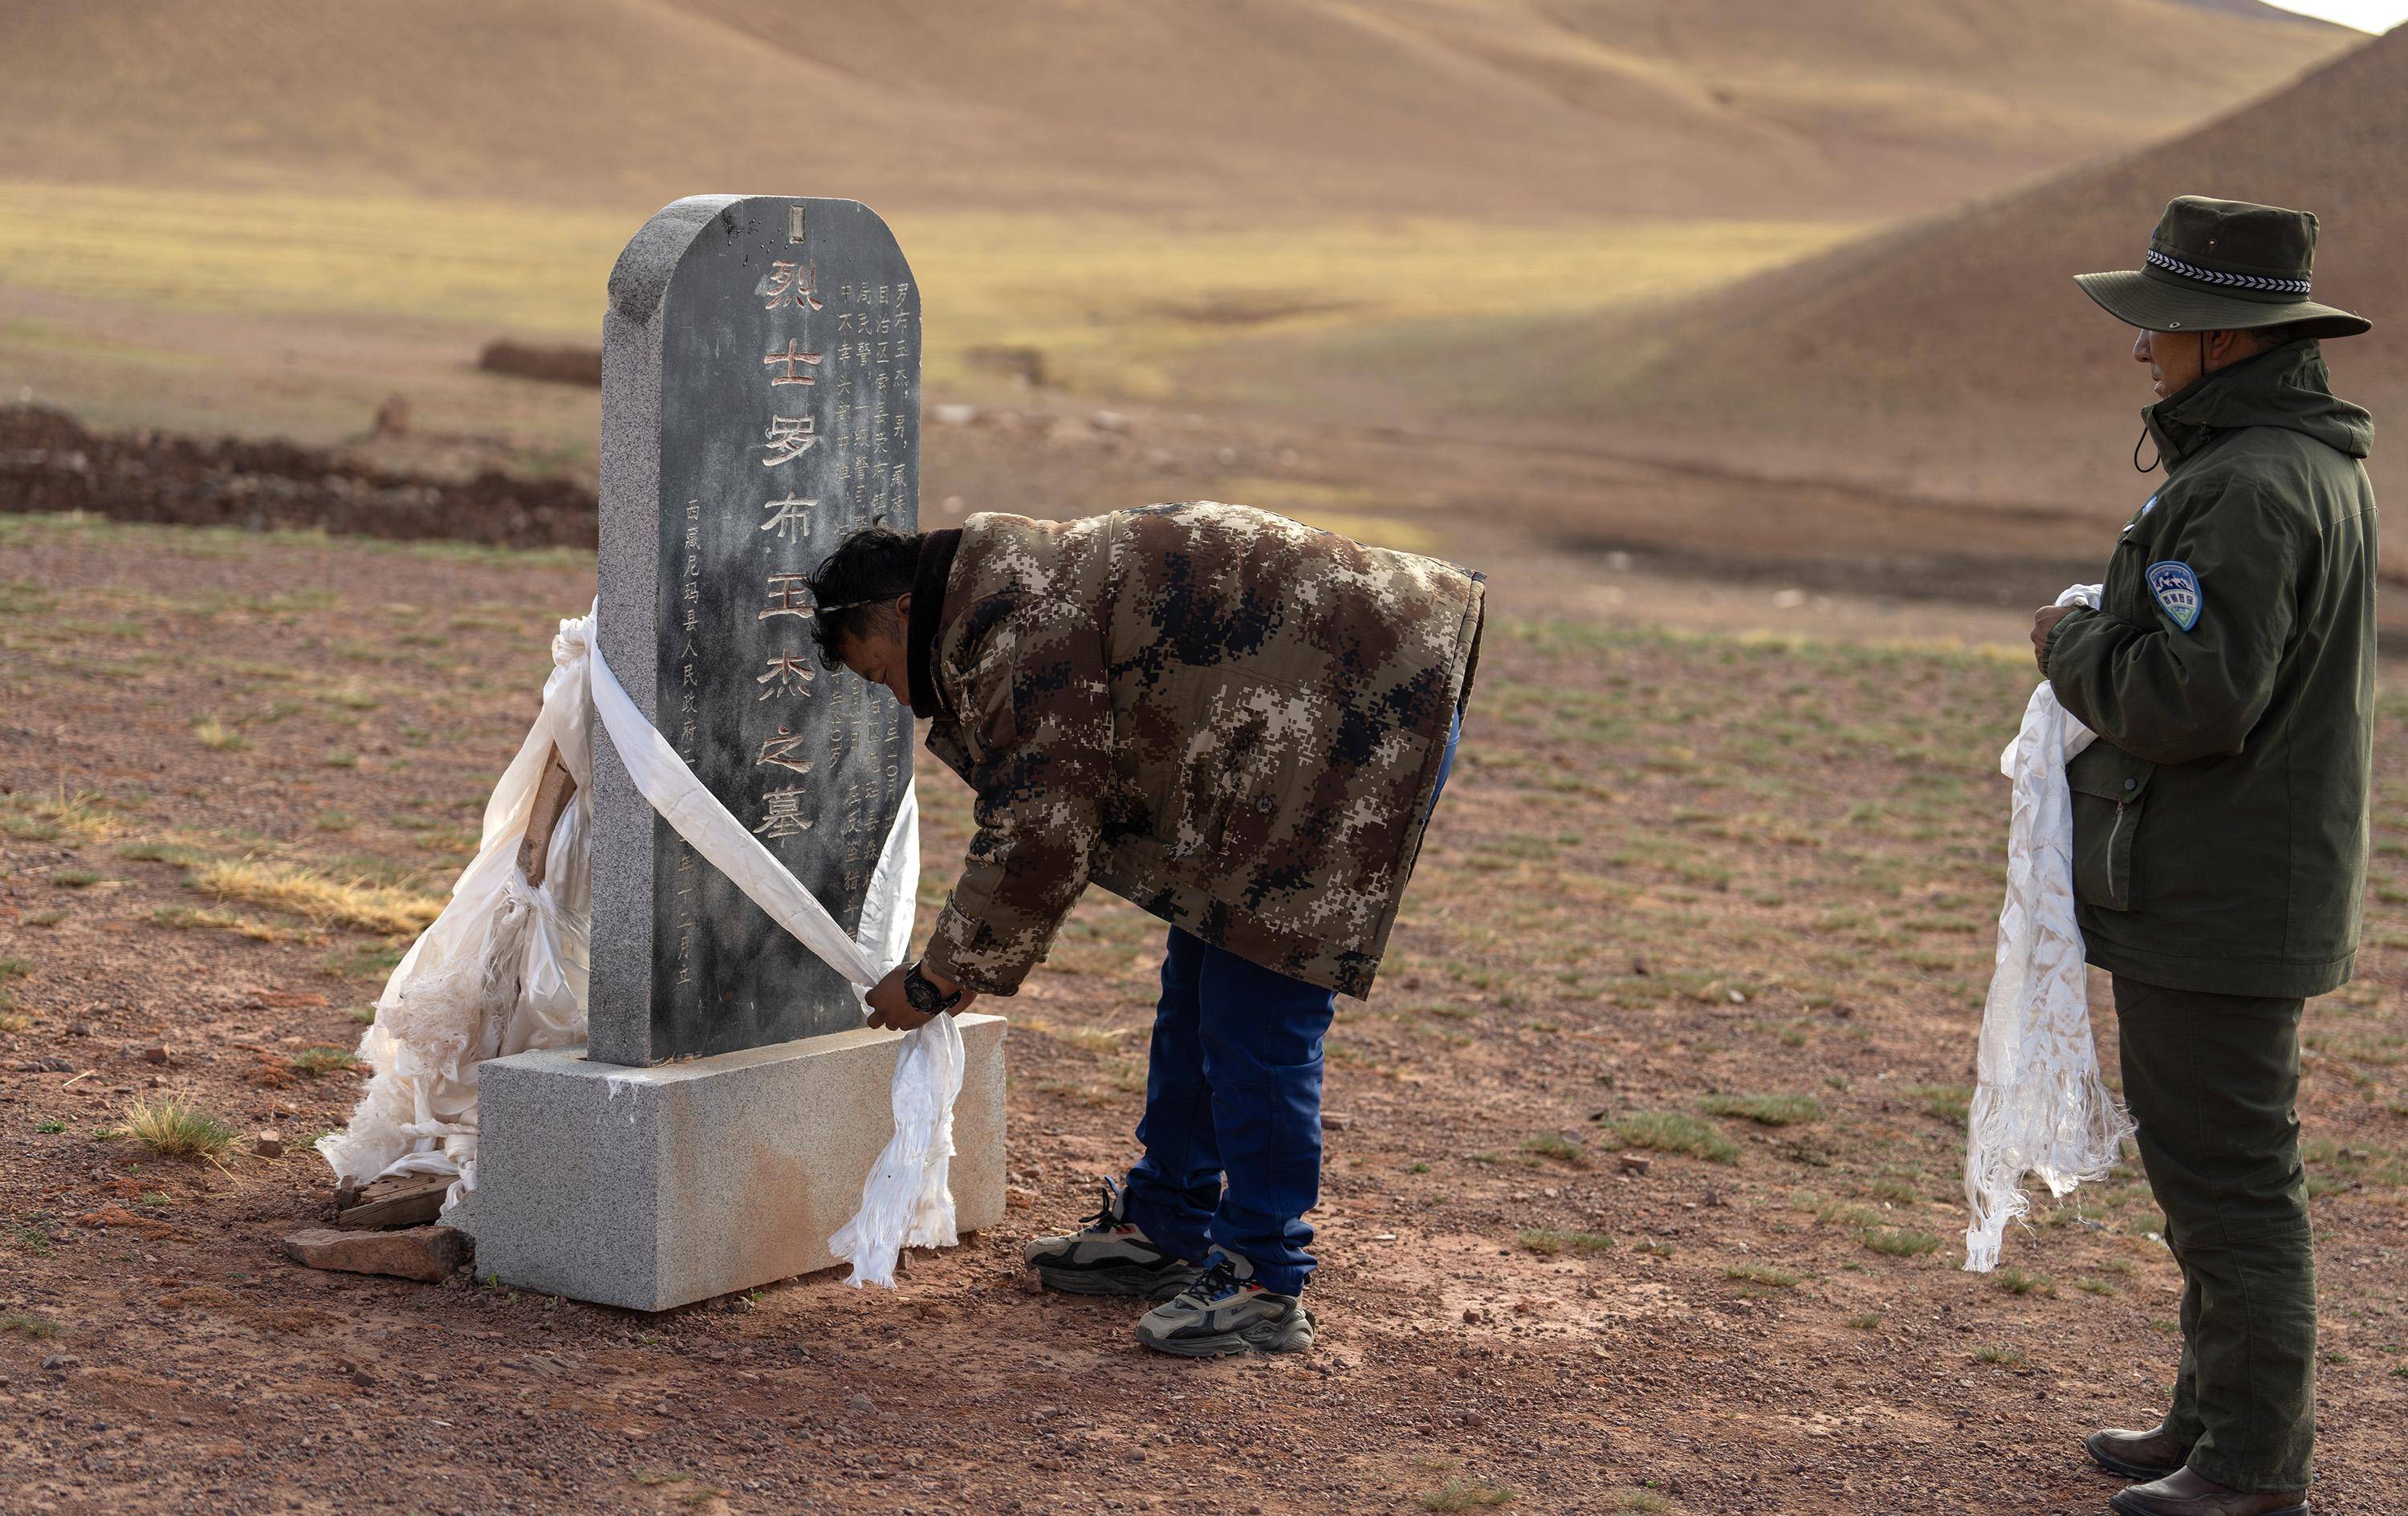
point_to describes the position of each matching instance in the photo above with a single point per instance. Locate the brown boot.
(2137, 1455)
(2182, 1493)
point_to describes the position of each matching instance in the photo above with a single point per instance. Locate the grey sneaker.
(1225, 1311)
(1109, 1255)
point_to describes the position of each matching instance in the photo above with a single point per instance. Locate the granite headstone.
(760, 400)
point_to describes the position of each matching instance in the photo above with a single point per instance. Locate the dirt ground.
(1719, 894)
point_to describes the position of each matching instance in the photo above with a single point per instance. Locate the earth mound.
(1954, 358)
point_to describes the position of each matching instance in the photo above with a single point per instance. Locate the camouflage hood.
(1230, 719)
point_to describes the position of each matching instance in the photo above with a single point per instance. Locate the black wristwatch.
(925, 996)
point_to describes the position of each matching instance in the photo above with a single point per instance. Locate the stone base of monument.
(650, 1188)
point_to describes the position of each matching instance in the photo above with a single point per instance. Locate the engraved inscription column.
(760, 400)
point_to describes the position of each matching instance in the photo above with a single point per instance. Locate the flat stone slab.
(425, 1254)
(654, 1187)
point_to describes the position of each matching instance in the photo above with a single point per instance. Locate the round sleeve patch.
(2177, 590)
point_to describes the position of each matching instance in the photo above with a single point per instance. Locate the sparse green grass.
(1764, 1274)
(1548, 1241)
(1847, 1215)
(2017, 1282)
(175, 1130)
(162, 852)
(24, 1237)
(1557, 1147)
(1460, 1493)
(11, 966)
(1867, 1321)
(1951, 1103)
(50, 1125)
(1900, 1242)
(316, 1060)
(1765, 1109)
(1667, 1131)
(2005, 1357)
(24, 1324)
(1632, 1499)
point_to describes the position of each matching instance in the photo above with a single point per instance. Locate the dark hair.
(867, 572)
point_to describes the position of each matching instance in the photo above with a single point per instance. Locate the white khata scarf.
(2042, 1107)
(504, 968)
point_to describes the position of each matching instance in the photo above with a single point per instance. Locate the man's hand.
(891, 1010)
(2044, 620)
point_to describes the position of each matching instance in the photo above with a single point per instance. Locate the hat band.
(2239, 282)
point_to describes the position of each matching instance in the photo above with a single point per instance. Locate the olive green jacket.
(2220, 823)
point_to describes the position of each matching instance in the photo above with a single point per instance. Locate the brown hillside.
(1761, 108)
(1956, 358)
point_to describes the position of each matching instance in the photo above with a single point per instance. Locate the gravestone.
(760, 362)
(761, 365)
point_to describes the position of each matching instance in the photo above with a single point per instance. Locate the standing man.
(1241, 725)
(2220, 823)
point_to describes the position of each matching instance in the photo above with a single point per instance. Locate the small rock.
(1336, 1121)
(1029, 1283)
(154, 1054)
(425, 1254)
(1635, 1163)
(267, 1145)
(1109, 420)
(1471, 1315)
(860, 1403)
(80, 1029)
(59, 1361)
(952, 415)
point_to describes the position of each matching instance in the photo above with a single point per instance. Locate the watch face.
(922, 994)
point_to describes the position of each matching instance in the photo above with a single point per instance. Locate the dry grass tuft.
(316, 1060)
(387, 909)
(1547, 1242)
(185, 919)
(175, 1130)
(1459, 1493)
(216, 735)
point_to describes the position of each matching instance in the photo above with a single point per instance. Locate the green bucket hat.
(2219, 265)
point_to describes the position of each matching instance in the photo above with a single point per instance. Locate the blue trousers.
(1232, 1127)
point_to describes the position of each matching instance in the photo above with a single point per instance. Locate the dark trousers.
(1232, 1127)
(2213, 1080)
(1234, 1089)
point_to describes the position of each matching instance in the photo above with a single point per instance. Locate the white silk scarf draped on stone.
(2041, 1107)
(504, 968)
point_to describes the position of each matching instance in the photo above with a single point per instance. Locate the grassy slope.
(1117, 307)
(1955, 357)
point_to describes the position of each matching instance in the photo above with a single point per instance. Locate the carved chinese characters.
(764, 353)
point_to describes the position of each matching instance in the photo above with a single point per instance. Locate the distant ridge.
(1252, 107)
(1956, 358)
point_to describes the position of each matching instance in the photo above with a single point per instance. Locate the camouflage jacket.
(1230, 719)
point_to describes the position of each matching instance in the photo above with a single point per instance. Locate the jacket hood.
(2287, 387)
